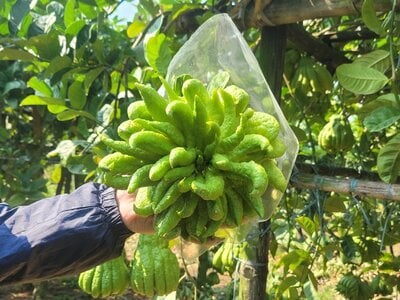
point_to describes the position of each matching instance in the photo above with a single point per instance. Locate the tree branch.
(304, 41)
(281, 12)
(373, 189)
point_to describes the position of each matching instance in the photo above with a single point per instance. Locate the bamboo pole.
(281, 12)
(349, 185)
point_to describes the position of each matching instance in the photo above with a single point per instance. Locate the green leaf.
(47, 45)
(98, 49)
(388, 162)
(76, 95)
(334, 204)
(69, 13)
(15, 54)
(135, 28)
(381, 118)
(360, 79)
(56, 109)
(294, 259)
(157, 52)
(369, 17)
(88, 9)
(306, 224)
(57, 64)
(81, 164)
(310, 287)
(40, 86)
(74, 28)
(66, 149)
(70, 114)
(13, 85)
(17, 14)
(38, 100)
(378, 60)
(91, 76)
(287, 282)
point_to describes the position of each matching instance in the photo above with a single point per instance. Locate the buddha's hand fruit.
(336, 136)
(109, 278)
(198, 155)
(154, 267)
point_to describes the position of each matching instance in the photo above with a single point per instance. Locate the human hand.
(134, 222)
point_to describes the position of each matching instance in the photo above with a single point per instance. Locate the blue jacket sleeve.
(60, 236)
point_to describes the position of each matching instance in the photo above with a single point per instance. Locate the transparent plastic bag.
(217, 46)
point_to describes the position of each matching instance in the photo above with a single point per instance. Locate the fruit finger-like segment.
(106, 281)
(231, 121)
(120, 276)
(140, 178)
(250, 170)
(178, 81)
(167, 220)
(127, 128)
(180, 157)
(202, 219)
(178, 173)
(264, 124)
(119, 146)
(181, 116)
(211, 141)
(185, 184)
(137, 279)
(193, 88)
(234, 139)
(196, 224)
(172, 95)
(96, 282)
(159, 191)
(148, 274)
(86, 279)
(251, 143)
(119, 163)
(227, 254)
(166, 128)
(116, 181)
(171, 195)
(188, 205)
(143, 205)
(215, 209)
(138, 109)
(200, 122)
(173, 233)
(209, 187)
(155, 103)
(217, 261)
(151, 142)
(125, 148)
(160, 273)
(215, 108)
(278, 148)
(211, 227)
(240, 96)
(235, 208)
(159, 168)
(172, 276)
(276, 178)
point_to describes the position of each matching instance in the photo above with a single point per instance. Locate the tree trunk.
(281, 12)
